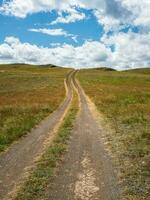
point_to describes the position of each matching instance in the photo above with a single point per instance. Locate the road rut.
(86, 172)
(21, 155)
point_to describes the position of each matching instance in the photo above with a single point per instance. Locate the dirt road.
(86, 172)
(21, 155)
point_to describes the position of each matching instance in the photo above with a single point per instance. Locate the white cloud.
(52, 32)
(110, 13)
(21, 8)
(65, 55)
(12, 40)
(116, 13)
(140, 11)
(55, 32)
(131, 50)
(72, 15)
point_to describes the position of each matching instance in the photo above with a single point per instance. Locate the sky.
(76, 33)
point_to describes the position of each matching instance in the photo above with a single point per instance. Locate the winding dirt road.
(86, 172)
(21, 156)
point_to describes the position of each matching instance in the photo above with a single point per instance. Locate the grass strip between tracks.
(35, 186)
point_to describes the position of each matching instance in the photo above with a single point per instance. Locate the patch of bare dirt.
(85, 187)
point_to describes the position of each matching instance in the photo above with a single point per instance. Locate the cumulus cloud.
(12, 50)
(115, 13)
(131, 49)
(110, 14)
(20, 8)
(140, 11)
(90, 54)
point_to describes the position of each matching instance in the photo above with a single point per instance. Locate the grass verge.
(36, 184)
(124, 99)
(27, 95)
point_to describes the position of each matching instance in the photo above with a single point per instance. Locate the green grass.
(124, 99)
(27, 95)
(35, 186)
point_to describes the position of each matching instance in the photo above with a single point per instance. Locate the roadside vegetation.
(124, 100)
(40, 178)
(27, 95)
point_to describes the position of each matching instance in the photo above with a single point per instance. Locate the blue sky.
(85, 30)
(76, 33)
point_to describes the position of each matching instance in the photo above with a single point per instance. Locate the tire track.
(21, 156)
(87, 172)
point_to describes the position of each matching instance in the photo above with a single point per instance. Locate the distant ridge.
(136, 70)
(26, 65)
(139, 70)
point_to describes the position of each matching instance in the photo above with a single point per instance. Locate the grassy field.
(27, 95)
(124, 100)
(35, 186)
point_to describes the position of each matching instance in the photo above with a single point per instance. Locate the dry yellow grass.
(124, 99)
(27, 95)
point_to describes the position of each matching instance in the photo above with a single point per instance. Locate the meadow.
(27, 95)
(123, 99)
